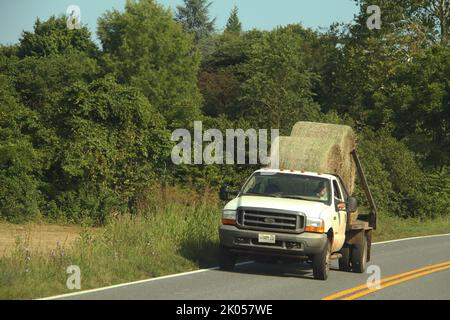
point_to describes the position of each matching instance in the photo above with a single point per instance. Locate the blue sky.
(18, 15)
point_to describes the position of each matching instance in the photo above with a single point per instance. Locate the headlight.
(315, 225)
(229, 217)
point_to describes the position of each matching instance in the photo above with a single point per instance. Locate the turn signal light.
(228, 222)
(320, 229)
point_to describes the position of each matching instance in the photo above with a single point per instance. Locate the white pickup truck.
(293, 215)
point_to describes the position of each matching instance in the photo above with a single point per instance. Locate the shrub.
(110, 143)
(19, 161)
(399, 185)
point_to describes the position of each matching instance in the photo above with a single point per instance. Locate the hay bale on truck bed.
(319, 147)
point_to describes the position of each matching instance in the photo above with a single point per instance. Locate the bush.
(110, 143)
(19, 161)
(399, 185)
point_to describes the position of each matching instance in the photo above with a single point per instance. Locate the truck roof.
(296, 172)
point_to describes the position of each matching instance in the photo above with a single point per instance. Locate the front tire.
(322, 262)
(227, 260)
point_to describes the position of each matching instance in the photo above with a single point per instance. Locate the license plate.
(266, 238)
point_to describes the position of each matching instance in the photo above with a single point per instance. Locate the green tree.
(220, 90)
(194, 16)
(8, 51)
(222, 75)
(230, 50)
(393, 77)
(39, 81)
(53, 37)
(398, 183)
(112, 143)
(363, 62)
(278, 89)
(233, 23)
(437, 14)
(146, 49)
(419, 97)
(20, 165)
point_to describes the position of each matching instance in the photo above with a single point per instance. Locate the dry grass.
(175, 231)
(41, 237)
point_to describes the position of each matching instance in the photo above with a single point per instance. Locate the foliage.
(19, 161)
(176, 231)
(278, 89)
(40, 81)
(399, 185)
(233, 23)
(194, 16)
(420, 99)
(53, 37)
(160, 60)
(84, 130)
(110, 143)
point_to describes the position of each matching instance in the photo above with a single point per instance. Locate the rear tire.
(227, 260)
(322, 262)
(344, 261)
(359, 256)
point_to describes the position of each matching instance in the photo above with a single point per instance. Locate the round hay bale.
(318, 147)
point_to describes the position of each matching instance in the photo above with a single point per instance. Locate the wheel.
(227, 260)
(321, 263)
(344, 261)
(359, 256)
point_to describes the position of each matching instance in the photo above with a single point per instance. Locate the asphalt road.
(254, 281)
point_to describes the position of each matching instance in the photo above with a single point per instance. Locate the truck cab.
(287, 215)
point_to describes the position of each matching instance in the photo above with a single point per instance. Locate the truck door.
(340, 218)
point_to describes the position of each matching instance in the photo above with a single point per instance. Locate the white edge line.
(138, 282)
(204, 270)
(415, 238)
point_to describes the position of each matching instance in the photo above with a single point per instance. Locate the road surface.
(410, 269)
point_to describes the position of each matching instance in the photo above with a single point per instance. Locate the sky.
(19, 15)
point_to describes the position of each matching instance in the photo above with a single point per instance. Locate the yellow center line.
(369, 291)
(380, 282)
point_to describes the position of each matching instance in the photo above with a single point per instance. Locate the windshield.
(283, 185)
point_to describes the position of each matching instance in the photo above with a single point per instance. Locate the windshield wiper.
(300, 198)
(260, 194)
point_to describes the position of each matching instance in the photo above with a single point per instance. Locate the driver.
(322, 191)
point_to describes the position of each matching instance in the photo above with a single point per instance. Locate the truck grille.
(271, 220)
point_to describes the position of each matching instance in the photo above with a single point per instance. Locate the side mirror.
(352, 204)
(224, 194)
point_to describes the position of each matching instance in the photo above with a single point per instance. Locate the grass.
(176, 231)
(42, 237)
(163, 239)
(390, 228)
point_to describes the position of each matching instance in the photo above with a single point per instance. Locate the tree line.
(85, 129)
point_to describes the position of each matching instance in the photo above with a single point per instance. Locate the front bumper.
(290, 245)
